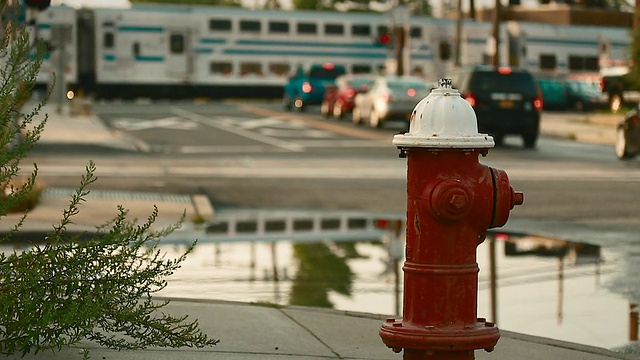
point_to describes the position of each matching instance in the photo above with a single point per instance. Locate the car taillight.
(537, 103)
(504, 70)
(306, 87)
(411, 92)
(602, 85)
(635, 119)
(471, 99)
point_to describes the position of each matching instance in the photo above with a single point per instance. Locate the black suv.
(507, 101)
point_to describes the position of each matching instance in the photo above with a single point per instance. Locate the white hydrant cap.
(443, 119)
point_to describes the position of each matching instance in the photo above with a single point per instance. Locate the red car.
(338, 98)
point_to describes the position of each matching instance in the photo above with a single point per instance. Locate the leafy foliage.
(67, 288)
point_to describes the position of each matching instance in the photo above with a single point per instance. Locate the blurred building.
(560, 13)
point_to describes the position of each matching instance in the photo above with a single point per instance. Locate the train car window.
(360, 30)
(278, 27)
(307, 28)
(575, 62)
(108, 40)
(548, 62)
(280, 69)
(361, 68)
(382, 29)
(250, 26)
(250, 69)
(486, 59)
(415, 32)
(334, 29)
(591, 63)
(176, 43)
(221, 68)
(49, 48)
(220, 25)
(580, 62)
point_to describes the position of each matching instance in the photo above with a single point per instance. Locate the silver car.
(390, 97)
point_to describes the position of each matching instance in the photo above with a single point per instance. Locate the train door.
(179, 55)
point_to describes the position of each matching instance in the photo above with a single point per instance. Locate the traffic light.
(37, 4)
(384, 39)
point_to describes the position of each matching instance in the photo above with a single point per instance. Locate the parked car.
(619, 87)
(308, 85)
(507, 101)
(554, 94)
(584, 96)
(390, 97)
(627, 144)
(338, 98)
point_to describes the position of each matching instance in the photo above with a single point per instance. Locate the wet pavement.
(545, 285)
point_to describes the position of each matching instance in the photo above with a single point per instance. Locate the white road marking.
(222, 125)
(172, 122)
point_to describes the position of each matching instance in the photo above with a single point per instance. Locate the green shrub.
(68, 288)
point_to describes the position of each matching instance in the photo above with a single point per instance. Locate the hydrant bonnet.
(443, 119)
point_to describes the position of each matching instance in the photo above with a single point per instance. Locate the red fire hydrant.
(452, 200)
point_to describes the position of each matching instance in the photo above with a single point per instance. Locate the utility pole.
(400, 22)
(399, 44)
(497, 14)
(457, 46)
(472, 9)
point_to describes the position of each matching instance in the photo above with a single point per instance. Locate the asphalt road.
(256, 155)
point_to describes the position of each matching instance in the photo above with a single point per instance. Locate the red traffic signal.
(384, 39)
(38, 4)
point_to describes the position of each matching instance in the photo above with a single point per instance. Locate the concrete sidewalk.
(250, 331)
(259, 332)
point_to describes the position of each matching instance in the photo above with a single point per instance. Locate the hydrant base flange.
(483, 335)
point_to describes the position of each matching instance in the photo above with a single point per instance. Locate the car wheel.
(615, 103)
(374, 119)
(299, 104)
(622, 146)
(337, 111)
(530, 140)
(286, 102)
(324, 108)
(356, 116)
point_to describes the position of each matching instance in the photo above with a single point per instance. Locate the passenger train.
(173, 51)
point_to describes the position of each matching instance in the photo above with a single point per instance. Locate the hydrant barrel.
(452, 200)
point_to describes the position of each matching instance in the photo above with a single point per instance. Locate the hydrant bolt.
(450, 200)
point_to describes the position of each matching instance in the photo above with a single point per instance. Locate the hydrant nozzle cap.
(443, 119)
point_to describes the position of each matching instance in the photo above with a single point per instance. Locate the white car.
(390, 97)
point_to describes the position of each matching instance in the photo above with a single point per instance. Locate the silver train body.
(165, 51)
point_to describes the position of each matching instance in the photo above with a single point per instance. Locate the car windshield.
(356, 83)
(514, 82)
(551, 85)
(583, 87)
(326, 73)
(406, 84)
